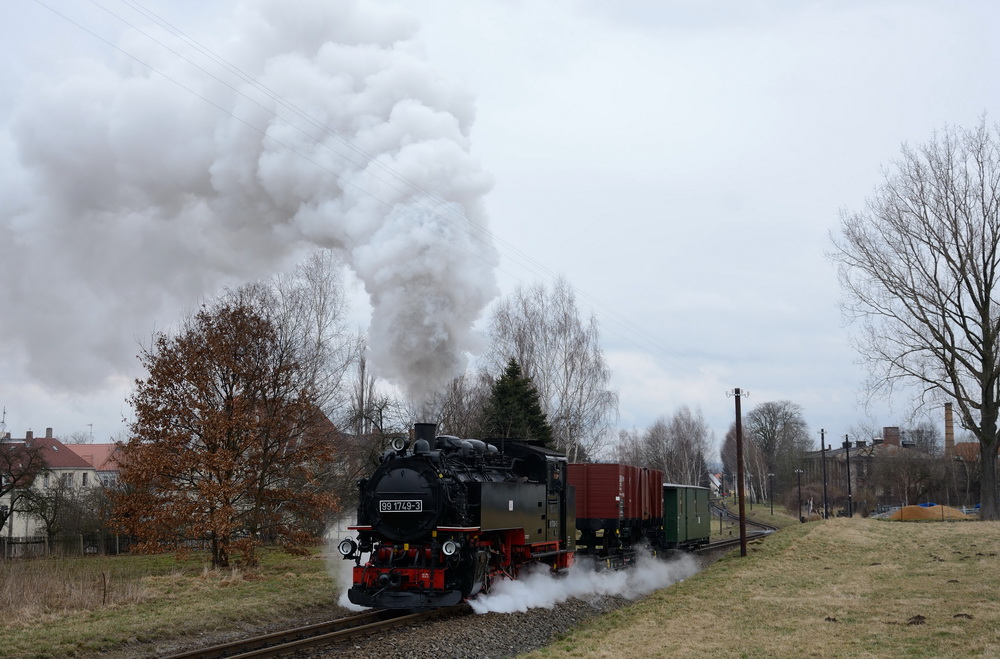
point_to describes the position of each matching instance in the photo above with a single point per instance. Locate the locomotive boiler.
(442, 518)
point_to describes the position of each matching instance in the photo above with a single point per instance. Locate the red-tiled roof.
(968, 451)
(99, 456)
(57, 455)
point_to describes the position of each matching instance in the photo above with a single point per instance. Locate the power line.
(410, 191)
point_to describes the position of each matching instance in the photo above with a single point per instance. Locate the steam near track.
(541, 589)
(343, 573)
(538, 588)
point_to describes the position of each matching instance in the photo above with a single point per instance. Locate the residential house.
(103, 458)
(63, 467)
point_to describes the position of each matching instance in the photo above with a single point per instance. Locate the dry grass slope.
(134, 606)
(843, 588)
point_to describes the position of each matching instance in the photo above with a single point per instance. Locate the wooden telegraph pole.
(740, 484)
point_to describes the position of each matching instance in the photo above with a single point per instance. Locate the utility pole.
(740, 485)
(847, 447)
(798, 473)
(822, 450)
(770, 487)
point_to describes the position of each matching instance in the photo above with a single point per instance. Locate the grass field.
(81, 606)
(840, 588)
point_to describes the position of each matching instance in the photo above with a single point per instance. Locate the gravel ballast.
(474, 636)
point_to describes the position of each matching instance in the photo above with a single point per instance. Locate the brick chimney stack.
(28, 436)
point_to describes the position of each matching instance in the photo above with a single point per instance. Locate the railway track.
(370, 622)
(761, 530)
(319, 634)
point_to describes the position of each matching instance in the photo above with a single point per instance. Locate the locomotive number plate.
(401, 506)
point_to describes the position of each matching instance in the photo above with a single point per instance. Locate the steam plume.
(311, 123)
(541, 589)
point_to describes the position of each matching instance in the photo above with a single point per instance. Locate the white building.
(63, 467)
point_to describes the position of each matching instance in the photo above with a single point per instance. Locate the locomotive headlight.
(397, 443)
(449, 548)
(346, 547)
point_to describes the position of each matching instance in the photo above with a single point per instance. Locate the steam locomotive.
(444, 518)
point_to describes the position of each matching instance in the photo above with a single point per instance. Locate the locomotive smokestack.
(425, 431)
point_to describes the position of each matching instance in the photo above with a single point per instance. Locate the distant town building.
(64, 467)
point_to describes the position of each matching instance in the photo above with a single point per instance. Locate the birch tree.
(543, 332)
(676, 445)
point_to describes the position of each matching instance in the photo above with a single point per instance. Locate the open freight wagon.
(617, 506)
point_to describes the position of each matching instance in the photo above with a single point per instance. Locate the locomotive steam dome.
(404, 498)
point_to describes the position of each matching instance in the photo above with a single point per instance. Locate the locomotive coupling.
(387, 579)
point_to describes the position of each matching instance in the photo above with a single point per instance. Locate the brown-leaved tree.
(228, 444)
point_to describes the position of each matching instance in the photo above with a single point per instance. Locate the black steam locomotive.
(442, 519)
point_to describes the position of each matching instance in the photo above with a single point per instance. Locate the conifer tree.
(513, 410)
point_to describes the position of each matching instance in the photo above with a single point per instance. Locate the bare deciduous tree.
(561, 354)
(920, 267)
(20, 462)
(907, 477)
(676, 445)
(630, 448)
(754, 469)
(55, 507)
(926, 438)
(371, 418)
(463, 404)
(690, 441)
(372, 413)
(308, 307)
(780, 435)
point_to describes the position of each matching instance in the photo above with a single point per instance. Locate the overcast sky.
(682, 164)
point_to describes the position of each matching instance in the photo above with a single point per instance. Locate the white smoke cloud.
(340, 569)
(540, 588)
(343, 572)
(141, 192)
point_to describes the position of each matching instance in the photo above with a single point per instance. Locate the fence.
(84, 544)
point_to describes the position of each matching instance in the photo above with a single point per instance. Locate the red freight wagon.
(616, 505)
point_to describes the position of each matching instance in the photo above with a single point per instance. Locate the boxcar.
(687, 522)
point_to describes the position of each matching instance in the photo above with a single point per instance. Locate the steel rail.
(324, 633)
